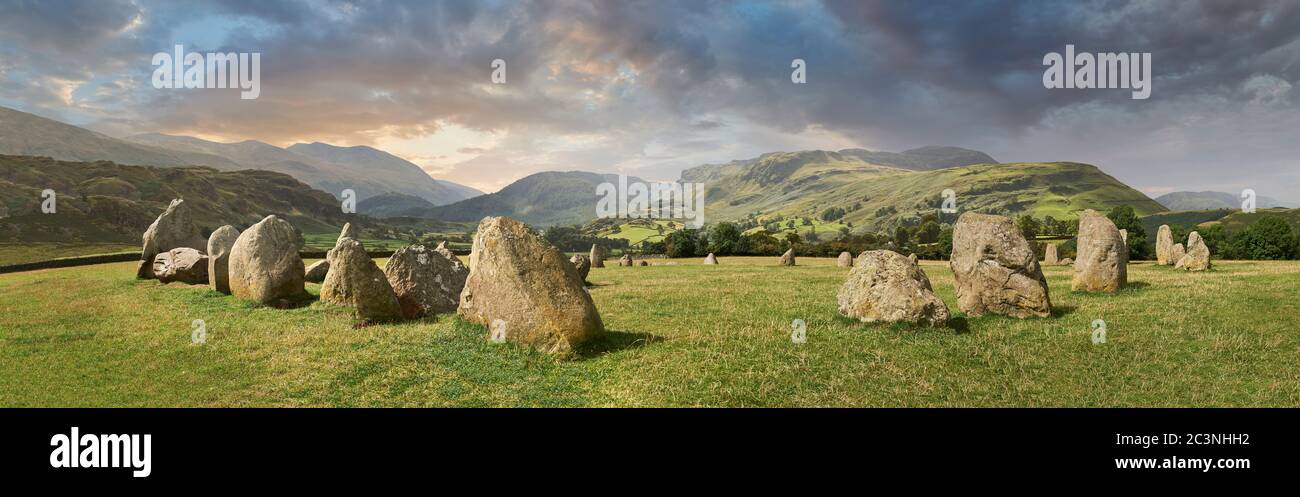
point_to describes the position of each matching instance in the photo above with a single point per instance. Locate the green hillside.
(103, 203)
(1236, 221)
(877, 197)
(544, 199)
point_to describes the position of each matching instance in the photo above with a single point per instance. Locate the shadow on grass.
(615, 341)
(1059, 310)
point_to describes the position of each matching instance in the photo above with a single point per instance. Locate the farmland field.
(680, 334)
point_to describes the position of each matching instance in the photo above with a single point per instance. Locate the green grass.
(19, 253)
(640, 231)
(681, 334)
(825, 230)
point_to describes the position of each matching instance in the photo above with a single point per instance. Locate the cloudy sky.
(649, 88)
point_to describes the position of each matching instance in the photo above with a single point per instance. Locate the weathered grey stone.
(317, 271)
(1198, 254)
(1067, 262)
(184, 264)
(347, 232)
(710, 259)
(597, 256)
(1123, 235)
(995, 270)
(264, 263)
(426, 282)
(219, 245)
(1176, 253)
(582, 264)
(787, 259)
(1164, 245)
(643, 263)
(1101, 264)
(1049, 255)
(885, 286)
(626, 260)
(354, 280)
(526, 286)
(845, 260)
(174, 228)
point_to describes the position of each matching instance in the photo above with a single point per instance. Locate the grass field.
(681, 334)
(19, 253)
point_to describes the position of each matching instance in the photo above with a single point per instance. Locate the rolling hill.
(28, 134)
(881, 196)
(1200, 201)
(101, 202)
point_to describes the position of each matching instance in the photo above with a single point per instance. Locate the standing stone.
(912, 257)
(886, 286)
(1198, 255)
(643, 263)
(1164, 244)
(172, 229)
(845, 260)
(995, 270)
(355, 281)
(1067, 262)
(1049, 255)
(317, 271)
(264, 263)
(426, 282)
(184, 264)
(1176, 253)
(626, 260)
(1123, 235)
(787, 259)
(710, 260)
(597, 256)
(219, 245)
(522, 287)
(582, 264)
(1101, 264)
(347, 232)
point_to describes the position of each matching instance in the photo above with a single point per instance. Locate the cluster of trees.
(573, 239)
(1268, 238)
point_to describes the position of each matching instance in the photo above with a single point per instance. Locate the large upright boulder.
(787, 259)
(354, 280)
(1198, 254)
(1049, 255)
(184, 264)
(885, 286)
(845, 260)
(264, 263)
(582, 264)
(1164, 246)
(219, 245)
(426, 281)
(995, 270)
(710, 260)
(520, 281)
(1101, 264)
(174, 228)
(597, 256)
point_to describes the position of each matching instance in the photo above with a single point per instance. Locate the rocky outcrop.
(885, 286)
(426, 282)
(1164, 246)
(787, 259)
(521, 285)
(219, 245)
(995, 270)
(264, 263)
(174, 228)
(1101, 264)
(184, 265)
(1198, 254)
(354, 280)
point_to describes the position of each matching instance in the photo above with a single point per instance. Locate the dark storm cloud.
(656, 84)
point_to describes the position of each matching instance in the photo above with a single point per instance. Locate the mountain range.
(1195, 201)
(365, 170)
